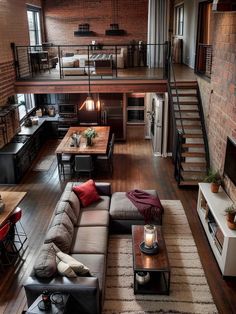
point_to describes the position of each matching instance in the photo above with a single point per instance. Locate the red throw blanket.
(148, 205)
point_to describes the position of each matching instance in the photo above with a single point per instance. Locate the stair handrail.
(177, 94)
(201, 114)
(178, 156)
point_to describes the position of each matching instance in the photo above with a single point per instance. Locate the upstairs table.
(11, 200)
(100, 142)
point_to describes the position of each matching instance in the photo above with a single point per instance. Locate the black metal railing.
(129, 61)
(178, 129)
(204, 60)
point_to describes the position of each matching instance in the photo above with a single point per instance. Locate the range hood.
(224, 6)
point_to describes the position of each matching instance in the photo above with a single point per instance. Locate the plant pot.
(231, 225)
(230, 217)
(89, 141)
(215, 187)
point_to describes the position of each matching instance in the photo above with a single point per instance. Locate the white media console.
(211, 210)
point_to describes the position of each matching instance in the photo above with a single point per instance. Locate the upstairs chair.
(4, 241)
(107, 160)
(18, 235)
(83, 164)
(65, 160)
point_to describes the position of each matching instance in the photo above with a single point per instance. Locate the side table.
(55, 308)
(157, 265)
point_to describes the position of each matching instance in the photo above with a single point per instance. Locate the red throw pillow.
(87, 193)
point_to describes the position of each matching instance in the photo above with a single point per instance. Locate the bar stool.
(18, 235)
(63, 160)
(4, 241)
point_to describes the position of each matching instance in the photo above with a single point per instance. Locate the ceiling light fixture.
(114, 26)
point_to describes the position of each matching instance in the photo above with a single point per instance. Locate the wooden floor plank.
(134, 167)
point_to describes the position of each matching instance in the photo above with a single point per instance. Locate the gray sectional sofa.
(83, 234)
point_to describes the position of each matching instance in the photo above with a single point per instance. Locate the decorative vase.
(89, 141)
(215, 187)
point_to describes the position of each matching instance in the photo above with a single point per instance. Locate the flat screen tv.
(230, 160)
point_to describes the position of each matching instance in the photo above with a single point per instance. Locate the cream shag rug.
(189, 291)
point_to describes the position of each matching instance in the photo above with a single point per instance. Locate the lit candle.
(149, 235)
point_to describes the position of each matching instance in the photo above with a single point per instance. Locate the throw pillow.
(65, 270)
(45, 265)
(76, 266)
(87, 193)
(60, 236)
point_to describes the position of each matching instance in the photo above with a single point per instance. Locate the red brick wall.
(219, 96)
(63, 17)
(14, 28)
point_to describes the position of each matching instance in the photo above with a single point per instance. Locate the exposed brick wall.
(14, 28)
(63, 17)
(220, 105)
(7, 78)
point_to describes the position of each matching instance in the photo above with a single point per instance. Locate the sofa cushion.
(70, 197)
(87, 193)
(77, 266)
(102, 204)
(45, 265)
(65, 207)
(90, 240)
(122, 208)
(60, 236)
(65, 270)
(96, 264)
(63, 219)
(94, 218)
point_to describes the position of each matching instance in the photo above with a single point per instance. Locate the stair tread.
(184, 94)
(192, 127)
(188, 118)
(187, 102)
(193, 164)
(192, 145)
(193, 182)
(186, 110)
(193, 154)
(189, 135)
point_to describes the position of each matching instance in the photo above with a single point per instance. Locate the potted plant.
(230, 213)
(214, 178)
(89, 134)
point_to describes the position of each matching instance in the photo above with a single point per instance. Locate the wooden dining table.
(11, 200)
(100, 142)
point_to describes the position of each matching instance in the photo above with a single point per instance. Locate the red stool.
(17, 234)
(4, 241)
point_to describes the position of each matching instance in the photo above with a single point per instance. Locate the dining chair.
(63, 161)
(107, 160)
(4, 241)
(17, 233)
(83, 164)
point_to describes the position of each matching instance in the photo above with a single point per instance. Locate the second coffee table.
(157, 265)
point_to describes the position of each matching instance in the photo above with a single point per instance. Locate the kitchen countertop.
(14, 148)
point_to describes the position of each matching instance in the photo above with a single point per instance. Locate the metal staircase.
(190, 146)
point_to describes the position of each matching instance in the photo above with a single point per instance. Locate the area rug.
(189, 291)
(45, 163)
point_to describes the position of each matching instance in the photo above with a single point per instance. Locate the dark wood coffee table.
(157, 265)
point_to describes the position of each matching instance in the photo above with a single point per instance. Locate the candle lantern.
(149, 245)
(149, 236)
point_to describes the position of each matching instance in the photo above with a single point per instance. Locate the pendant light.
(89, 102)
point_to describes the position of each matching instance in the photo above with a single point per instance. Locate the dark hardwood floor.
(134, 167)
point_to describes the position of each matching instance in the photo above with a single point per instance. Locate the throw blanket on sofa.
(148, 205)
